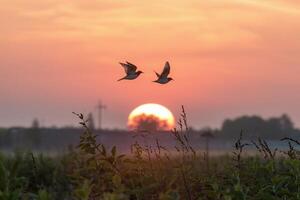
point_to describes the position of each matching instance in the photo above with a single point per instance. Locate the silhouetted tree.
(148, 123)
(91, 121)
(34, 134)
(207, 135)
(35, 124)
(255, 126)
(286, 123)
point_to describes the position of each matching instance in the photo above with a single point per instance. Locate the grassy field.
(151, 172)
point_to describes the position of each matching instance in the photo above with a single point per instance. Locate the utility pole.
(100, 108)
(207, 134)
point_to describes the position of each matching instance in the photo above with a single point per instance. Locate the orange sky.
(228, 58)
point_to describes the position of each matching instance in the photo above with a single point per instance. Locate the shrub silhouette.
(148, 123)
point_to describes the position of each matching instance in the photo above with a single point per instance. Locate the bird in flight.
(163, 77)
(130, 70)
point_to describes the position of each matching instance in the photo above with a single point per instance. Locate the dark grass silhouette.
(152, 171)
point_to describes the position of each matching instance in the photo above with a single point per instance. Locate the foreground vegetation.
(153, 172)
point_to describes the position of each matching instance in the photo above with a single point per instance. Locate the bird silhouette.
(163, 77)
(130, 70)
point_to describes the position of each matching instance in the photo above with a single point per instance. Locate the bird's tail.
(121, 79)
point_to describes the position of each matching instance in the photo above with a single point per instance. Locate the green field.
(92, 171)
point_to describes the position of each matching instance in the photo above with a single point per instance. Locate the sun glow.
(149, 112)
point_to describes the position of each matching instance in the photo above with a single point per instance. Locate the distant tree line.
(39, 138)
(256, 126)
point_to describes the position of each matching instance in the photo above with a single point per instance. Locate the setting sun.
(151, 116)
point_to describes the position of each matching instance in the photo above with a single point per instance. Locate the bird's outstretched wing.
(157, 74)
(166, 70)
(129, 67)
